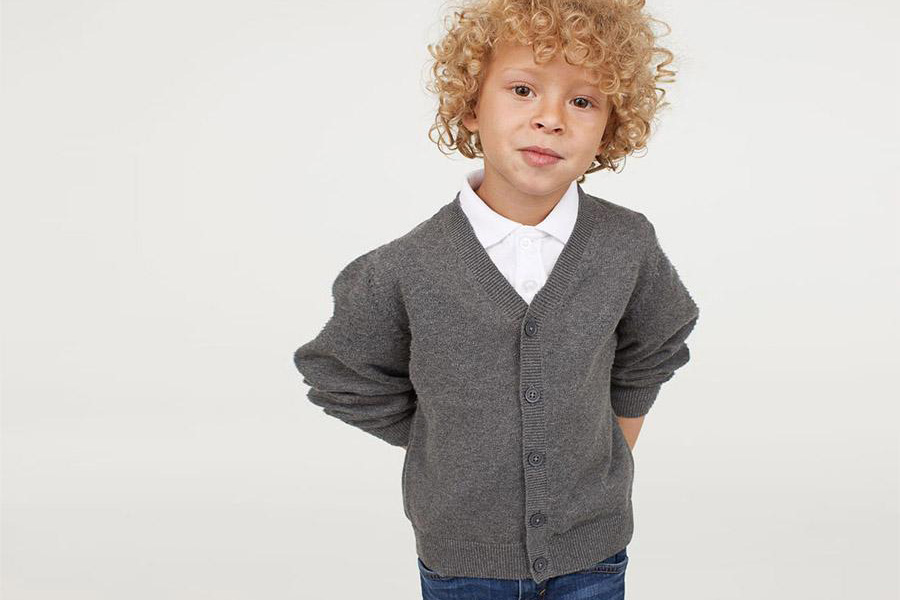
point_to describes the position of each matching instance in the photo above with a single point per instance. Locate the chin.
(536, 182)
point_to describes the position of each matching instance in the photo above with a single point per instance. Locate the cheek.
(502, 110)
(591, 131)
(502, 121)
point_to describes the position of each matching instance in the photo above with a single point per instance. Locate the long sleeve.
(651, 334)
(357, 367)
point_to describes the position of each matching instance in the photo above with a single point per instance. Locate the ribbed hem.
(632, 401)
(574, 550)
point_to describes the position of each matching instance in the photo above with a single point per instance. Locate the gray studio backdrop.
(181, 182)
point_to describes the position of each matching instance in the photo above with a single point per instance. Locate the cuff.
(632, 401)
(396, 434)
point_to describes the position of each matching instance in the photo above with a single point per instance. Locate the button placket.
(534, 435)
(530, 272)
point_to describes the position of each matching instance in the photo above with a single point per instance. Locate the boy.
(514, 341)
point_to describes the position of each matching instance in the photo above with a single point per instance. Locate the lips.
(543, 150)
(539, 159)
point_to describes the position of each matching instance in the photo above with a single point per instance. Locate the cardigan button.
(537, 519)
(536, 458)
(530, 327)
(532, 394)
(539, 564)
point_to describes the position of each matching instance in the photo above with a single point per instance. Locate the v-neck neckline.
(479, 262)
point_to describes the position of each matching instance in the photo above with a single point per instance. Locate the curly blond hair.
(611, 38)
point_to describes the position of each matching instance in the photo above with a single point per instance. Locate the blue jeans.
(604, 580)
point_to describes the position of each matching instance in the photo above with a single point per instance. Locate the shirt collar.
(491, 227)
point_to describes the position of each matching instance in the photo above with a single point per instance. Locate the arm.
(357, 367)
(631, 427)
(651, 334)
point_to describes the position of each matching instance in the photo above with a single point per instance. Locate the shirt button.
(537, 519)
(525, 242)
(532, 394)
(530, 327)
(536, 458)
(539, 564)
(529, 285)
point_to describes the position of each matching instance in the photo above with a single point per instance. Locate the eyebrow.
(536, 72)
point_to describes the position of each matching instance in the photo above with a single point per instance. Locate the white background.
(183, 180)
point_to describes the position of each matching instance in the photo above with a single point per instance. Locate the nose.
(548, 116)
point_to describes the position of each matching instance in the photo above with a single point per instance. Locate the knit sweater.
(515, 464)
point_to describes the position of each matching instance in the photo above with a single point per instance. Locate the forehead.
(510, 59)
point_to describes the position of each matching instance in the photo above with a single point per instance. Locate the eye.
(585, 99)
(520, 87)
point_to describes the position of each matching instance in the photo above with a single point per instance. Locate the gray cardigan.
(516, 466)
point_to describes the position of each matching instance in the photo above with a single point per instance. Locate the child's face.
(552, 105)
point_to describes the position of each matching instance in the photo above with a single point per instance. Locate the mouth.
(540, 157)
(542, 150)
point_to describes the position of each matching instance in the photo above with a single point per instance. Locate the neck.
(513, 203)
